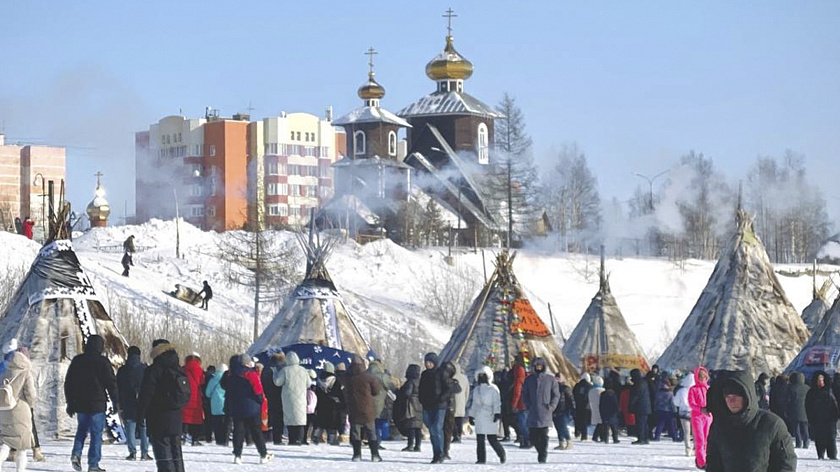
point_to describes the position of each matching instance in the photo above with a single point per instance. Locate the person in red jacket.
(193, 415)
(519, 374)
(28, 227)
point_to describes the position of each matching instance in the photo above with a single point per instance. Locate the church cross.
(450, 13)
(98, 175)
(370, 53)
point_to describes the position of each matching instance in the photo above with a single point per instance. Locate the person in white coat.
(684, 411)
(595, 406)
(460, 403)
(295, 381)
(485, 412)
(16, 423)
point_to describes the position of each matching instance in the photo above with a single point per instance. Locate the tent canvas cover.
(315, 312)
(822, 351)
(814, 312)
(602, 340)
(501, 323)
(743, 320)
(53, 312)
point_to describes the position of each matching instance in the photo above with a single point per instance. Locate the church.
(449, 134)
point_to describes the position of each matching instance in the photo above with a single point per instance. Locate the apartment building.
(220, 173)
(26, 172)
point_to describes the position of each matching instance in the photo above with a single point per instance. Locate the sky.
(634, 84)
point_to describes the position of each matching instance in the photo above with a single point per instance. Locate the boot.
(374, 452)
(357, 450)
(37, 456)
(436, 459)
(410, 446)
(20, 461)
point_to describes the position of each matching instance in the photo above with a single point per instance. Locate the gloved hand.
(70, 411)
(497, 417)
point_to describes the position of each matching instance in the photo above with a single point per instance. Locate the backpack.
(177, 389)
(8, 401)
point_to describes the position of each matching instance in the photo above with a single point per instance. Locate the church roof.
(449, 103)
(368, 114)
(346, 161)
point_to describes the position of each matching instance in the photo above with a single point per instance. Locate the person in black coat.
(640, 405)
(408, 411)
(155, 406)
(743, 437)
(436, 390)
(823, 413)
(126, 261)
(610, 415)
(129, 381)
(243, 401)
(779, 396)
(329, 414)
(208, 294)
(18, 225)
(795, 412)
(761, 391)
(273, 395)
(502, 380)
(564, 409)
(88, 384)
(583, 415)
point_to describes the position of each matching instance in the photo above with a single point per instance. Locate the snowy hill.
(385, 286)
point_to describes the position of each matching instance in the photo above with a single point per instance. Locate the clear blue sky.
(635, 84)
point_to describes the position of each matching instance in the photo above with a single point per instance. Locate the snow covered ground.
(588, 456)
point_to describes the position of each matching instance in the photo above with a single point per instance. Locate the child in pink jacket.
(701, 419)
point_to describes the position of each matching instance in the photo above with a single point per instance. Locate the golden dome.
(371, 89)
(98, 209)
(449, 64)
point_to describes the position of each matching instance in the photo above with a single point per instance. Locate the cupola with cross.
(465, 122)
(98, 209)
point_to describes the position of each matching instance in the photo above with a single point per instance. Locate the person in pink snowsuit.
(701, 419)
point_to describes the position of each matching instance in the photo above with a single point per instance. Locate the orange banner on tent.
(529, 322)
(619, 361)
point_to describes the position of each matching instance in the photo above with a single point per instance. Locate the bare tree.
(572, 199)
(446, 293)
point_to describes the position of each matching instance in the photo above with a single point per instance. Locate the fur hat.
(246, 361)
(10, 346)
(586, 377)
(160, 348)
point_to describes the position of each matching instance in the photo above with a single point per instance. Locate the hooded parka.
(16, 424)
(752, 440)
(486, 403)
(295, 381)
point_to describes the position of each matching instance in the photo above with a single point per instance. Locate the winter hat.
(246, 360)
(341, 367)
(598, 382)
(586, 377)
(486, 371)
(312, 374)
(221, 369)
(329, 367)
(279, 357)
(732, 387)
(134, 351)
(431, 357)
(12, 345)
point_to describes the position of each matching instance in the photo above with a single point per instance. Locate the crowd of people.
(726, 420)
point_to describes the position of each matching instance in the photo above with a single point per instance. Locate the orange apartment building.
(218, 173)
(25, 174)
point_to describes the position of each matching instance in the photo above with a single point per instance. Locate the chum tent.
(602, 340)
(314, 313)
(822, 351)
(53, 313)
(500, 324)
(743, 320)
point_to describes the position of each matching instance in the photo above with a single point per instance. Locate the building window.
(298, 135)
(282, 189)
(271, 189)
(312, 191)
(325, 172)
(196, 190)
(392, 143)
(359, 142)
(295, 190)
(212, 150)
(211, 211)
(196, 211)
(272, 168)
(293, 136)
(212, 186)
(309, 151)
(482, 144)
(294, 211)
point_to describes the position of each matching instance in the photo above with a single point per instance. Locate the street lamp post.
(650, 181)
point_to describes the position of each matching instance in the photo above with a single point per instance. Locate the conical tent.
(53, 313)
(743, 319)
(315, 312)
(822, 351)
(602, 340)
(500, 324)
(814, 312)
